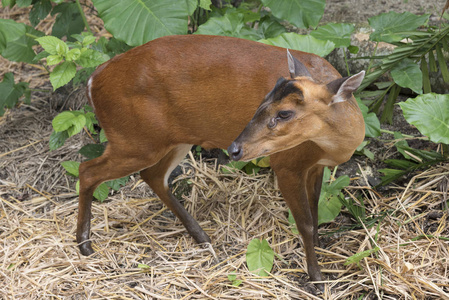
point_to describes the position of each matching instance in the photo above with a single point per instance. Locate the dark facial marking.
(282, 89)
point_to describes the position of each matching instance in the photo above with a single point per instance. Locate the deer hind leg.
(314, 182)
(157, 178)
(114, 163)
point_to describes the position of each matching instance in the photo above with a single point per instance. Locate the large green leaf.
(301, 13)
(259, 257)
(39, 11)
(139, 21)
(15, 45)
(430, 114)
(10, 92)
(270, 28)
(68, 20)
(304, 43)
(227, 25)
(10, 31)
(388, 27)
(407, 74)
(339, 33)
(329, 205)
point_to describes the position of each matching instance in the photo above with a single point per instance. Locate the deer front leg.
(293, 187)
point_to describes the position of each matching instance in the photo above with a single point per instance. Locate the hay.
(39, 257)
(143, 251)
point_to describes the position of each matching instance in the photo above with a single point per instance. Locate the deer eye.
(284, 114)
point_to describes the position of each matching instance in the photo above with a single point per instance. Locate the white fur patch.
(89, 92)
(180, 153)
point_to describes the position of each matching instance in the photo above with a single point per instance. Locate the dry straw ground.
(39, 258)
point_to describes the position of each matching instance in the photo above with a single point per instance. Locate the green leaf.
(57, 139)
(10, 93)
(259, 257)
(302, 14)
(338, 33)
(91, 151)
(361, 150)
(71, 121)
(54, 59)
(92, 58)
(237, 282)
(101, 192)
(356, 258)
(10, 31)
(228, 25)
(372, 124)
(400, 163)
(39, 11)
(407, 74)
(429, 113)
(103, 137)
(15, 45)
(400, 144)
(51, 44)
(270, 28)
(143, 266)
(73, 54)
(353, 49)
(72, 167)
(62, 74)
(9, 3)
(205, 4)
(390, 175)
(329, 205)
(139, 21)
(388, 27)
(292, 222)
(442, 63)
(88, 39)
(234, 165)
(304, 43)
(68, 20)
(23, 3)
(116, 184)
(425, 75)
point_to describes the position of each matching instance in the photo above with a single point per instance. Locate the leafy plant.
(414, 159)
(259, 257)
(10, 92)
(430, 114)
(329, 205)
(234, 281)
(411, 61)
(250, 167)
(80, 54)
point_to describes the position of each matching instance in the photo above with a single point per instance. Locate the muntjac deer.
(157, 100)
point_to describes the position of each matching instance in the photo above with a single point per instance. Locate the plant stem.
(346, 60)
(391, 132)
(31, 35)
(83, 16)
(372, 59)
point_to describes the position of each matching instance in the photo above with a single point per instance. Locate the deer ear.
(295, 67)
(343, 88)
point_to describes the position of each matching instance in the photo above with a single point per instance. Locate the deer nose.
(235, 151)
